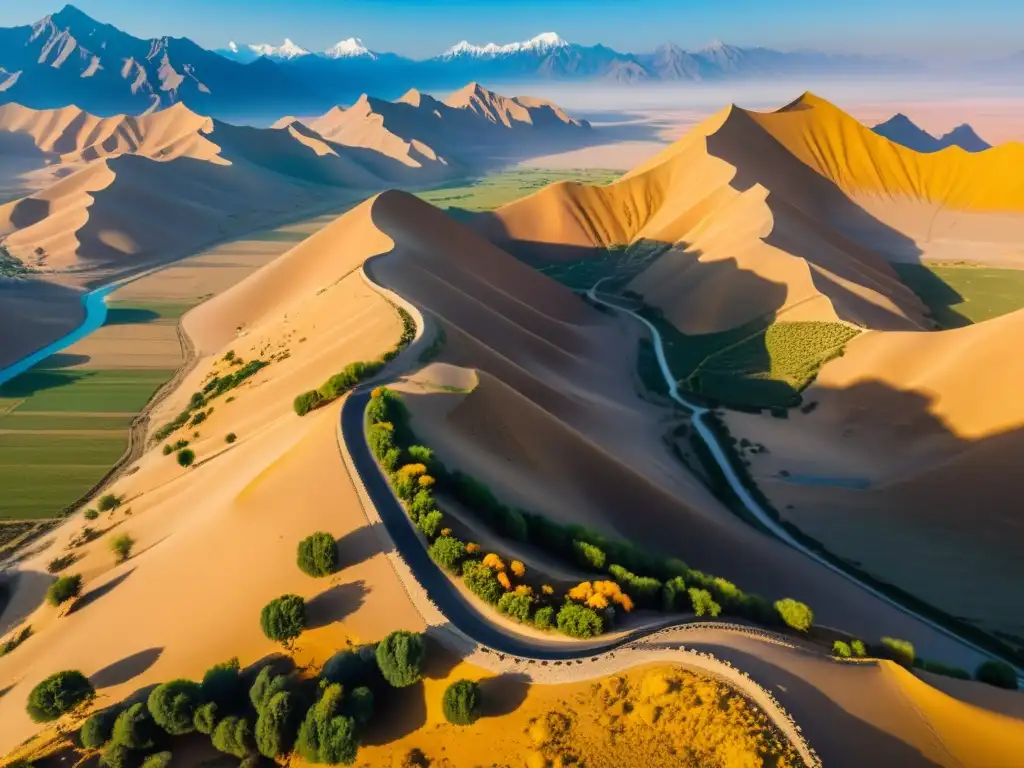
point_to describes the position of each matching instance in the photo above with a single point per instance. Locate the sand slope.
(742, 227)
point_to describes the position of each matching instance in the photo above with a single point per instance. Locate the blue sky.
(929, 29)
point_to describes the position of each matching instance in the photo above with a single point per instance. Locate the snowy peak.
(287, 50)
(349, 49)
(542, 43)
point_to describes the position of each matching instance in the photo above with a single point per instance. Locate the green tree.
(58, 694)
(134, 728)
(118, 756)
(267, 685)
(173, 705)
(186, 457)
(63, 589)
(223, 685)
(588, 555)
(430, 523)
(448, 552)
(233, 736)
(108, 503)
(359, 706)
(579, 621)
(283, 618)
(400, 658)
(326, 735)
(97, 730)
(702, 603)
(997, 673)
(544, 618)
(795, 614)
(91, 514)
(461, 702)
(348, 668)
(318, 555)
(206, 717)
(482, 581)
(858, 648)
(157, 760)
(841, 650)
(122, 547)
(276, 725)
(515, 606)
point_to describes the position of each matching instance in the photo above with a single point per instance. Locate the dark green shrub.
(430, 523)
(121, 546)
(644, 590)
(63, 589)
(900, 651)
(206, 717)
(306, 402)
(91, 514)
(119, 756)
(579, 621)
(230, 437)
(347, 668)
(233, 736)
(391, 459)
(588, 555)
(858, 649)
(515, 606)
(482, 581)
(359, 706)
(674, 596)
(157, 760)
(420, 454)
(267, 685)
(938, 668)
(997, 673)
(544, 618)
(795, 614)
(186, 457)
(379, 410)
(841, 650)
(283, 618)
(318, 555)
(327, 736)
(223, 685)
(108, 502)
(400, 657)
(61, 692)
(381, 438)
(134, 728)
(422, 504)
(277, 725)
(404, 485)
(702, 603)
(173, 705)
(98, 729)
(461, 702)
(448, 552)
(58, 564)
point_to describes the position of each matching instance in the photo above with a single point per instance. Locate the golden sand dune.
(744, 230)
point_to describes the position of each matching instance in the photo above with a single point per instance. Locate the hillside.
(901, 129)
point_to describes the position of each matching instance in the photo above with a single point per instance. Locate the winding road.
(699, 414)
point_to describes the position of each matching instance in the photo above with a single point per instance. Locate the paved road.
(699, 414)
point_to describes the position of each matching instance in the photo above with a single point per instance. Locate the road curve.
(698, 413)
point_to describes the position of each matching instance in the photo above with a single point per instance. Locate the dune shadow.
(130, 316)
(335, 604)
(29, 211)
(360, 545)
(26, 591)
(93, 595)
(504, 694)
(125, 669)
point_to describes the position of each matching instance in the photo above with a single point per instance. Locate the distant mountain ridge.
(901, 129)
(71, 58)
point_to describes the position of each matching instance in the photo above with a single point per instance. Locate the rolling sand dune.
(743, 228)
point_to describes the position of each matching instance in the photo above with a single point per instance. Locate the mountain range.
(902, 130)
(69, 57)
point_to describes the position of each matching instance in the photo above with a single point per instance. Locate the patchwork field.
(503, 187)
(959, 295)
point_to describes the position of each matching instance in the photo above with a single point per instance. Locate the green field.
(24, 420)
(133, 312)
(77, 391)
(503, 187)
(962, 295)
(761, 364)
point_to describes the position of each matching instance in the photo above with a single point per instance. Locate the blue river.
(95, 304)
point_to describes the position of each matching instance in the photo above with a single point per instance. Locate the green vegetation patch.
(41, 449)
(22, 420)
(962, 295)
(102, 391)
(133, 312)
(40, 492)
(11, 266)
(497, 189)
(616, 265)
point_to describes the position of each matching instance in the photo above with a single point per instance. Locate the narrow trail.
(699, 414)
(460, 626)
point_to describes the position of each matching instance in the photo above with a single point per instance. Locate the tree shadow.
(127, 668)
(130, 316)
(360, 545)
(503, 695)
(27, 591)
(63, 360)
(95, 594)
(440, 660)
(335, 604)
(403, 711)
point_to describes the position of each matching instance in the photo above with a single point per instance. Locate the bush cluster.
(63, 589)
(400, 658)
(58, 694)
(318, 555)
(216, 386)
(283, 618)
(461, 702)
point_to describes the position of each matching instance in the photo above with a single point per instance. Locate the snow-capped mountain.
(351, 48)
(541, 44)
(248, 53)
